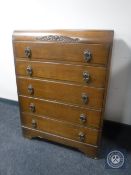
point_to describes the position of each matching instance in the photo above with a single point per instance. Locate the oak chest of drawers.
(62, 78)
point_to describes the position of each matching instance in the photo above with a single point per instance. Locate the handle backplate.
(30, 90)
(29, 70)
(81, 136)
(32, 107)
(87, 55)
(34, 124)
(82, 118)
(86, 76)
(84, 98)
(27, 52)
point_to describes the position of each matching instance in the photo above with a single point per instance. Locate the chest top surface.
(68, 36)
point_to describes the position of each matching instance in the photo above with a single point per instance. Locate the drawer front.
(81, 134)
(73, 114)
(87, 53)
(87, 75)
(69, 93)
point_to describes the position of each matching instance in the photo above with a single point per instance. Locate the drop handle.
(27, 52)
(84, 98)
(87, 55)
(86, 76)
(29, 70)
(34, 124)
(82, 118)
(81, 136)
(30, 89)
(32, 107)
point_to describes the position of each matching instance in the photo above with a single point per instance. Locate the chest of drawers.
(62, 78)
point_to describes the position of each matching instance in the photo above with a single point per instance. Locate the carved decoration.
(57, 38)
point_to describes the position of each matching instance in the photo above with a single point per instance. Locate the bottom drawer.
(81, 134)
(90, 150)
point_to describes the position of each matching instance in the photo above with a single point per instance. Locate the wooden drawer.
(60, 111)
(81, 134)
(90, 150)
(69, 93)
(87, 75)
(90, 53)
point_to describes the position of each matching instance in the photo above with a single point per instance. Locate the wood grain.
(60, 111)
(57, 63)
(87, 149)
(85, 36)
(63, 51)
(61, 128)
(67, 72)
(63, 92)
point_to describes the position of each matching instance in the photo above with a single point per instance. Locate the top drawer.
(74, 52)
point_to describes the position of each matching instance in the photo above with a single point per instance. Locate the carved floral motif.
(57, 38)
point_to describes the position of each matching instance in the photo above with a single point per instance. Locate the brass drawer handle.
(30, 90)
(34, 124)
(32, 107)
(87, 55)
(86, 77)
(27, 52)
(84, 98)
(82, 118)
(81, 136)
(29, 70)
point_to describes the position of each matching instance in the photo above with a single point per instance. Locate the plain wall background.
(72, 14)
